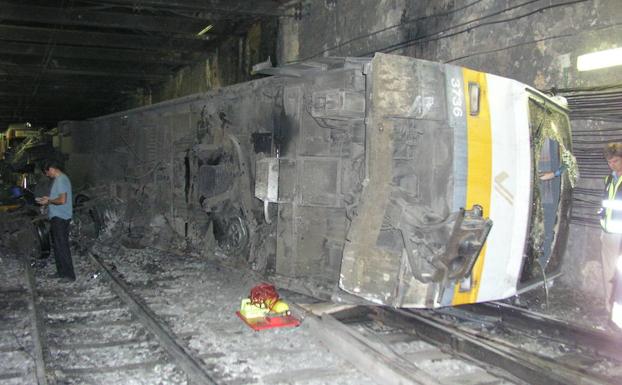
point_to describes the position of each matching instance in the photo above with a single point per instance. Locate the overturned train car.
(389, 179)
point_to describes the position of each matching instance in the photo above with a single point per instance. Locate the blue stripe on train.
(456, 112)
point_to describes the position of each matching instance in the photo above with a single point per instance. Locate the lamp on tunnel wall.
(601, 59)
(205, 30)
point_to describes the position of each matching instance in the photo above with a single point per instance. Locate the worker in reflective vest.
(611, 219)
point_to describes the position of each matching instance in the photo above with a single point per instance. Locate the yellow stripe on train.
(479, 171)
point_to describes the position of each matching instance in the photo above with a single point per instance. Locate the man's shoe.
(38, 264)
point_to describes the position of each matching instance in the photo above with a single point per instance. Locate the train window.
(549, 194)
(474, 94)
(550, 134)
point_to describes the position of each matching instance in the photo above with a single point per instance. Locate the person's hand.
(42, 200)
(547, 175)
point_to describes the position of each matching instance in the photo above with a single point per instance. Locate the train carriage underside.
(399, 181)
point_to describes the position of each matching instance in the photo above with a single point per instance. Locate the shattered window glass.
(550, 141)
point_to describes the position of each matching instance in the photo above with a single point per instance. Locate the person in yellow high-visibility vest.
(611, 218)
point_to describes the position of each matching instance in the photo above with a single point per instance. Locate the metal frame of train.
(389, 180)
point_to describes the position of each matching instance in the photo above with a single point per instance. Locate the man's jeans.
(62, 254)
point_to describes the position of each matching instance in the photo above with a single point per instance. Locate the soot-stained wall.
(229, 63)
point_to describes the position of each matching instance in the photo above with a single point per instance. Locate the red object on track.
(269, 322)
(257, 311)
(264, 293)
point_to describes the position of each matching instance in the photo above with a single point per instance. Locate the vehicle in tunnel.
(22, 149)
(400, 181)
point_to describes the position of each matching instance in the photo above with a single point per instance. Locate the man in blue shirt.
(60, 209)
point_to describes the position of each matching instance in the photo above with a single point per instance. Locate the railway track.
(84, 333)
(391, 355)
(591, 341)
(119, 325)
(537, 353)
(198, 300)
(147, 316)
(17, 345)
(502, 344)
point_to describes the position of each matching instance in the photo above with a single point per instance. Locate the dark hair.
(51, 163)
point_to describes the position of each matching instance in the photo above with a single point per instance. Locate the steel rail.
(344, 332)
(529, 367)
(44, 376)
(190, 365)
(572, 334)
(372, 358)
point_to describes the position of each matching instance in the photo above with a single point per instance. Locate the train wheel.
(231, 235)
(43, 235)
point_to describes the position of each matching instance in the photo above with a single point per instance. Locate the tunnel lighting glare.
(205, 30)
(612, 204)
(601, 59)
(615, 226)
(616, 314)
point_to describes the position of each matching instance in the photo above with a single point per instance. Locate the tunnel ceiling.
(73, 59)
